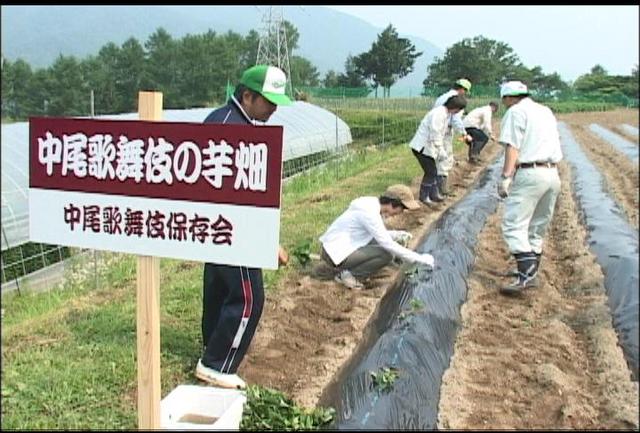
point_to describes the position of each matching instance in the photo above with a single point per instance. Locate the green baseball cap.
(269, 81)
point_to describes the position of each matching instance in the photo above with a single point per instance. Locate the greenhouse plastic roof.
(308, 129)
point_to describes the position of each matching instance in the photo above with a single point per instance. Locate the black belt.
(536, 164)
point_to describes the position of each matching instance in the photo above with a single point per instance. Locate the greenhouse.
(311, 136)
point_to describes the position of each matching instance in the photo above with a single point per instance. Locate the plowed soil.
(548, 359)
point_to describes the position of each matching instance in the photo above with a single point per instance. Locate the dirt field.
(547, 360)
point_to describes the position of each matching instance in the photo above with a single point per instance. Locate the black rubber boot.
(515, 272)
(434, 194)
(424, 192)
(527, 271)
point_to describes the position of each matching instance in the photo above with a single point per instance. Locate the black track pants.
(233, 297)
(479, 138)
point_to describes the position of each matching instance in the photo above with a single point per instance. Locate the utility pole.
(272, 48)
(93, 113)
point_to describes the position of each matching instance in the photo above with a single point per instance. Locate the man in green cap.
(233, 296)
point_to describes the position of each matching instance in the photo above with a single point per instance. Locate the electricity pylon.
(272, 48)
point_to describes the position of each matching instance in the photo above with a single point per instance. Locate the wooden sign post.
(148, 307)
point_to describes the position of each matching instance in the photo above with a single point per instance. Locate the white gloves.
(442, 154)
(503, 185)
(426, 259)
(401, 237)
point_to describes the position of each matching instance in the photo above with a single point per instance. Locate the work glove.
(504, 185)
(442, 155)
(426, 259)
(402, 237)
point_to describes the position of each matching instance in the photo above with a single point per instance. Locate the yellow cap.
(464, 83)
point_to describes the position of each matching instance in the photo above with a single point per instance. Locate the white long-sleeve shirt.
(430, 135)
(479, 118)
(356, 227)
(456, 119)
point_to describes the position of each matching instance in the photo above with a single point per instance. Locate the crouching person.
(357, 244)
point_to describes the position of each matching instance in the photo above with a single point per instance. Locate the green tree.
(487, 62)
(192, 70)
(598, 82)
(105, 79)
(130, 73)
(352, 77)
(481, 60)
(365, 67)
(69, 91)
(331, 79)
(227, 57)
(293, 36)
(389, 59)
(40, 92)
(161, 65)
(598, 70)
(249, 50)
(303, 73)
(16, 87)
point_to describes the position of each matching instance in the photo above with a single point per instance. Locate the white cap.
(513, 88)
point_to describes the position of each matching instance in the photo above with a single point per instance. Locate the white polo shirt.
(533, 130)
(479, 118)
(429, 137)
(456, 119)
(356, 227)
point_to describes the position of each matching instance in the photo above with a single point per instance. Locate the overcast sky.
(568, 40)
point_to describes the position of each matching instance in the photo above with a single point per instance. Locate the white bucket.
(193, 407)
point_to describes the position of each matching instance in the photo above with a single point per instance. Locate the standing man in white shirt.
(530, 181)
(357, 244)
(445, 163)
(428, 145)
(478, 125)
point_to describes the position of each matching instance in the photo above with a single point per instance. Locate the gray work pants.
(363, 262)
(528, 209)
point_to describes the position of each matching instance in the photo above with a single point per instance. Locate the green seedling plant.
(416, 305)
(268, 409)
(302, 252)
(384, 379)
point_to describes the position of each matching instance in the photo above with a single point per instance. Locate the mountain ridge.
(82, 30)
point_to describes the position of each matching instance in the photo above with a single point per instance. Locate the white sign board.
(204, 192)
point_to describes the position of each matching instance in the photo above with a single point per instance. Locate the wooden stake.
(148, 307)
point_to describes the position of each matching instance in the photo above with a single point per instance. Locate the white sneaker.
(345, 277)
(214, 377)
